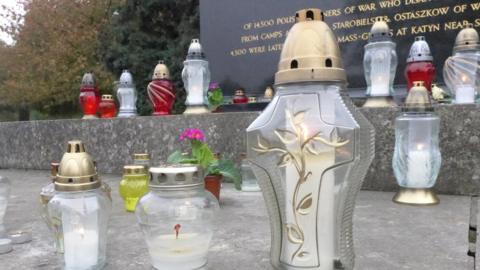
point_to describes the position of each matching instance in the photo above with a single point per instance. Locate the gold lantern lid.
(134, 170)
(268, 93)
(418, 99)
(107, 97)
(380, 32)
(310, 52)
(467, 39)
(161, 71)
(141, 156)
(77, 170)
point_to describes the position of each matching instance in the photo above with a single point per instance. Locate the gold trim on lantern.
(107, 97)
(134, 170)
(302, 59)
(416, 196)
(418, 98)
(200, 109)
(161, 71)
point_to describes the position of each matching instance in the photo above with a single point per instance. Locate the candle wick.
(177, 230)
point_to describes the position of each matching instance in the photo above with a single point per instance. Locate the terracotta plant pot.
(213, 184)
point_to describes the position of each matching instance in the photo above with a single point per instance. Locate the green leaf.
(179, 157)
(226, 168)
(215, 98)
(202, 153)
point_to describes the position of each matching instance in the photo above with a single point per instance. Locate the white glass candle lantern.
(462, 70)
(176, 217)
(196, 78)
(4, 194)
(380, 66)
(417, 158)
(127, 96)
(310, 150)
(82, 209)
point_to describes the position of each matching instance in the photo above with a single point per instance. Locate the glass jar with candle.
(310, 150)
(89, 96)
(133, 185)
(380, 66)
(240, 96)
(82, 209)
(249, 181)
(177, 217)
(462, 70)
(417, 159)
(4, 194)
(420, 64)
(107, 107)
(196, 78)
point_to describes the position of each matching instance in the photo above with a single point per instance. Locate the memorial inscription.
(243, 39)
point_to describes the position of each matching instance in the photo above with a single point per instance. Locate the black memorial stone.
(243, 39)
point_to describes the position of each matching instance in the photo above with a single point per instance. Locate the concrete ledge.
(33, 145)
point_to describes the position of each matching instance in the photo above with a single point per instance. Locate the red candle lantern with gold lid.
(107, 107)
(161, 91)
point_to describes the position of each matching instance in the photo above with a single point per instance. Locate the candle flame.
(420, 146)
(464, 78)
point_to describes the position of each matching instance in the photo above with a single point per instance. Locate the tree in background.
(143, 32)
(56, 41)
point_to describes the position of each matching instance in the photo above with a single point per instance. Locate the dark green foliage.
(143, 32)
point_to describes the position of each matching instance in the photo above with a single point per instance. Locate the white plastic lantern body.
(310, 151)
(462, 75)
(380, 65)
(417, 158)
(196, 78)
(177, 218)
(4, 194)
(84, 219)
(127, 96)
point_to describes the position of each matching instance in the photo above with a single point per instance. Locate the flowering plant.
(202, 155)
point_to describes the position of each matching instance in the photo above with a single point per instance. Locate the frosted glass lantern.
(82, 209)
(310, 150)
(380, 66)
(4, 194)
(196, 78)
(127, 96)
(462, 70)
(417, 158)
(177, 217)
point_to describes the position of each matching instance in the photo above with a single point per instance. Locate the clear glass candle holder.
(176, 218)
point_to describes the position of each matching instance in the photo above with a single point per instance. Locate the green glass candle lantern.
(133, 185)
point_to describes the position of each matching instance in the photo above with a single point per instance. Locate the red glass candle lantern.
(89, 96)
(420, 64)
(240, 97)
(161, 91)
(107, 107)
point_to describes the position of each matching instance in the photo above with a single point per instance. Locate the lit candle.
(188, 251)
(81, 248)
(464, 93)
(418, 166)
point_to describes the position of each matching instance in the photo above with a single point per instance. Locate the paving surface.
(387, 236)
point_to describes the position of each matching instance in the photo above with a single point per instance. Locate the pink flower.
(192, 134)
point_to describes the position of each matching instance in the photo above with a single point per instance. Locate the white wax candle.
(187, 252)
(81, 248)
(380, 85)
(464, 94)
(418, 167)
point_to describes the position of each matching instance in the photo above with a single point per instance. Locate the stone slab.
(112, 142)
(387, 235)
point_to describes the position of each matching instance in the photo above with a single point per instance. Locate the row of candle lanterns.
(310, 151)
(461, 70)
